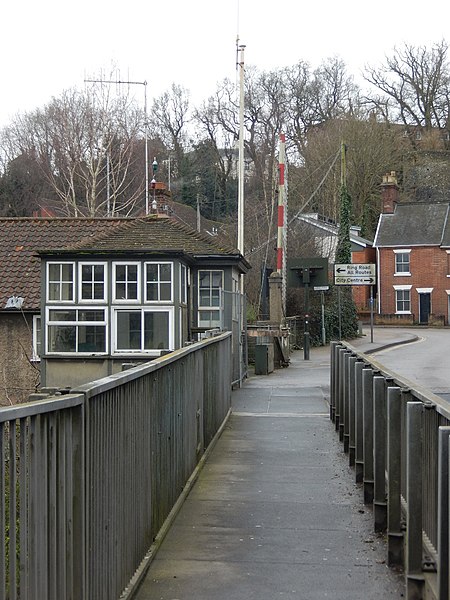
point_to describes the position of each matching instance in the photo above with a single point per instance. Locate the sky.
(47, 46)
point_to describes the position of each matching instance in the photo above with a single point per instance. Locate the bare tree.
(169, 119)
(415, 86)
(85, 144)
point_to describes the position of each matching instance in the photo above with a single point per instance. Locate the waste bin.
(264, 362)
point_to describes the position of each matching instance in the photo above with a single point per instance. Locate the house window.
(183, 284)
(210, 284)
(60, 282)
(126, 282)
(402, 299)
(402, 262)
(143, 330)
(36, 356)
(76, 330)
(92, 278)
(158, 279)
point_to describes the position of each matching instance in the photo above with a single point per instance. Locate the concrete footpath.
(275, 512)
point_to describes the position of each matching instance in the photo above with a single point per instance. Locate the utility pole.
(144, 83)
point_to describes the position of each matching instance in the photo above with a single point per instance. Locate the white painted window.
(158, 282)
(93, 283)
(76, 330)
(60, 281)
(126, 282)
(402, 262)
(143, 330)
(36, 356)
(402, 299)
(183, 284)
(210, 285)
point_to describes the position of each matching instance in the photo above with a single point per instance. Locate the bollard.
(359, 426)
(379, 457)
(443, 513)
(395, 535)
(367, 385)
(334, 348)
(413, 562)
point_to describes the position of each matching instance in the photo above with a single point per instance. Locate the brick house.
(413, 265)
(79, 297)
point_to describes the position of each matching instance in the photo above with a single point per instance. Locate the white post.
(241, 160)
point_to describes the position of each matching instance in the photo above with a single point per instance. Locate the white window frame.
(136, 300)
(158, 281)
(402, 273)
(80, 282)
(37, 338)
(61, 281)
(205, 308)
(402, 288)
(76, 323)
(184, 283)
(142, 309)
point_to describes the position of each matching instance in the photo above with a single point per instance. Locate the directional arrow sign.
(355, 270)
(353, 280)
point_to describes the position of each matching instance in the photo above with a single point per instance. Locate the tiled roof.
(21, 239)
(156, 235)
(414, 224)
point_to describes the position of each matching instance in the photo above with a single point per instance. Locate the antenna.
(144, 83)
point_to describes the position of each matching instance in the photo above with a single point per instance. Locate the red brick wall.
(428, 268)
(361, 293)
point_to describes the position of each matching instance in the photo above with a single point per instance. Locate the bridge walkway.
(275, 512)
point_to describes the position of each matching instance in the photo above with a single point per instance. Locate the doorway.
(424, 307)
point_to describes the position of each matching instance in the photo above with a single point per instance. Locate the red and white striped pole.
(281, 203)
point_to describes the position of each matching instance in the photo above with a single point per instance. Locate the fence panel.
(88, 479)
(400, 456)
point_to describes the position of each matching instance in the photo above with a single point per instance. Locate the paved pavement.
(275, 512)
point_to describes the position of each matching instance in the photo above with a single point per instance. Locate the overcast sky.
(47, 46)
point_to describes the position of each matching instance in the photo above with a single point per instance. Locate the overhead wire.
(295, 216)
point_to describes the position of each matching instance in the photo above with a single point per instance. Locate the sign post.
(357, 274)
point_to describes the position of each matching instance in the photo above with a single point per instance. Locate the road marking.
(299, 415)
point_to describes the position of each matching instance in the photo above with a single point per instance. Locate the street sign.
(354, 274)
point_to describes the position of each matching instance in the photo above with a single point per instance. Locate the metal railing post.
(443, 513)
(413, 562)
(395, 535)
(359, 423)
(334, 349)
(351, 410)
(379, 465)
(346, 433)
(341, 390)
(367, 385)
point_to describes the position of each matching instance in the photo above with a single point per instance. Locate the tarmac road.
(425, 359)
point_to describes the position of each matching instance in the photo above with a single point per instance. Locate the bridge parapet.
(397, 436)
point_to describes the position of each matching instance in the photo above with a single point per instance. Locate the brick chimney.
(389, 193)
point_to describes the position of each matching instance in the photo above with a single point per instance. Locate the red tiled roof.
(22, 238)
